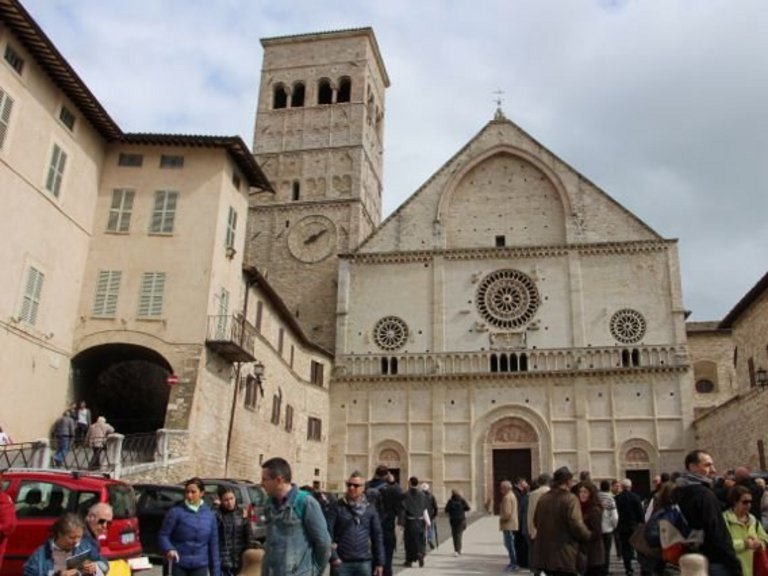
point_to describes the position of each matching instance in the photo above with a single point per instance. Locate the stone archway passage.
(125, 383)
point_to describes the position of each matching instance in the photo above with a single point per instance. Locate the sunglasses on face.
(104, 522)
(353, 485)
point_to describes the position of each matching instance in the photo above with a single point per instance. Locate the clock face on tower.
(312, 239)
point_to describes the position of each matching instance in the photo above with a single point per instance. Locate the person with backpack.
(701, 508)
(609, 521)
(457, 508)
(357, 546)
(297, 541)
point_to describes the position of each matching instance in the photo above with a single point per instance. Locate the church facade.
(510, 317)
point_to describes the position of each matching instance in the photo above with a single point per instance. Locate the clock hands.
(316, 236)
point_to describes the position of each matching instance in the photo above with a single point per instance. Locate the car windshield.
(122, 500)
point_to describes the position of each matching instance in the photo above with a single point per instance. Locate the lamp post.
(761, 375)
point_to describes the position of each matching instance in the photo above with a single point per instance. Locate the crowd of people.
(562, 525)
(556, 526)
(75, 428)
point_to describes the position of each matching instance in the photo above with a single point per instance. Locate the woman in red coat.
(7, 520)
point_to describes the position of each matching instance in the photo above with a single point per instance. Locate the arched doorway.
(392, 455)
(125, 383)
(513, 449)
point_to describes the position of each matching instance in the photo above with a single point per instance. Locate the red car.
(41, 496)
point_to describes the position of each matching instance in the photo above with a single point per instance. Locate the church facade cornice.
(590, 249)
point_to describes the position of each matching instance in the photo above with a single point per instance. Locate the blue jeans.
(509, 544)
(362, 568)
(62, 447)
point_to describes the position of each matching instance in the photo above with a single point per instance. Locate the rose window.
(628, 326)
(390, 333)
(507, 299)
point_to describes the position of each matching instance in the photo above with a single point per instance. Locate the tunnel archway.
(125, 383)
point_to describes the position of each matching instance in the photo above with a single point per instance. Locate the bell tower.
(319, 139)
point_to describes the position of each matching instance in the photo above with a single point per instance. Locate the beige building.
(735, 432)
(125, 274)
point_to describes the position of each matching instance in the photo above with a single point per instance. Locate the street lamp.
(762, 377)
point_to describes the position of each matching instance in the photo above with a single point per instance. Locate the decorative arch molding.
(143, 339)
(509, 426)
(501, 149)
(639, 454)
(392, 454)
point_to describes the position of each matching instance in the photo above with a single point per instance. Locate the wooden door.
(508, 464)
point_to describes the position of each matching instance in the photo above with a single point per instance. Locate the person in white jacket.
(610, 519)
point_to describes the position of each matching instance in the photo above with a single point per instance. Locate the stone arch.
(639, 454)
(705, 371)
(510, 426)
(393, 455)
(553, 218)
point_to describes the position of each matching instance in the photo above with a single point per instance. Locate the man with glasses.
(96, 527)
(702, 511)
(355, 530)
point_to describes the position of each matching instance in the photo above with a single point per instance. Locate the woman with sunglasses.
(746, 532)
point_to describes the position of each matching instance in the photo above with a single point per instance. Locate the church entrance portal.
(508, 464)
(125, 383)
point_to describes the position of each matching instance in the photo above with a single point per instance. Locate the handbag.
(639, 543)
(760, 559)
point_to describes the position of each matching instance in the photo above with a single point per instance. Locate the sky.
(660, 103)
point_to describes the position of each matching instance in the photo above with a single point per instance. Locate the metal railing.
(225, 328)
(22, 455)
(138, 449)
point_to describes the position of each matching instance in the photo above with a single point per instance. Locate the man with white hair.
(96, 526)
(97, 440)
(630, 509)
(509, 523)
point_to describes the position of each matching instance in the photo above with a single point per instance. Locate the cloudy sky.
(661, 103)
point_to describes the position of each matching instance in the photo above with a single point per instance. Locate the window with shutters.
(67, 117)
(316, 373)
(13, 58)
(151, 297)
(171, 161)
(277, 402)
(33, 290)
(120, 210)
(314, 429)
(107, 289)
(6, 105)
(231, 228)
(130, 160)
(288, 418)
(56, 171)
(164, 212)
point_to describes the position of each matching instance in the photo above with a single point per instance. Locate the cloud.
(660, 103)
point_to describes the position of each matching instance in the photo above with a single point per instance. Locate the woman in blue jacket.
(189, 537)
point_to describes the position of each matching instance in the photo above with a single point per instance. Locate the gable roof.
(61, 73)
(37, 43)
(499, 118)
(747, 300)
(234, 145)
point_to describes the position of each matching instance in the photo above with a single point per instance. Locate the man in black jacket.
(630, 509)
(355, 530)
(702, 511)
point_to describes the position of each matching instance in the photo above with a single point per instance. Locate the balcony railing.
(511, 361)
(232, 337)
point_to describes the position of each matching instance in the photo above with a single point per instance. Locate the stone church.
(510, 317)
